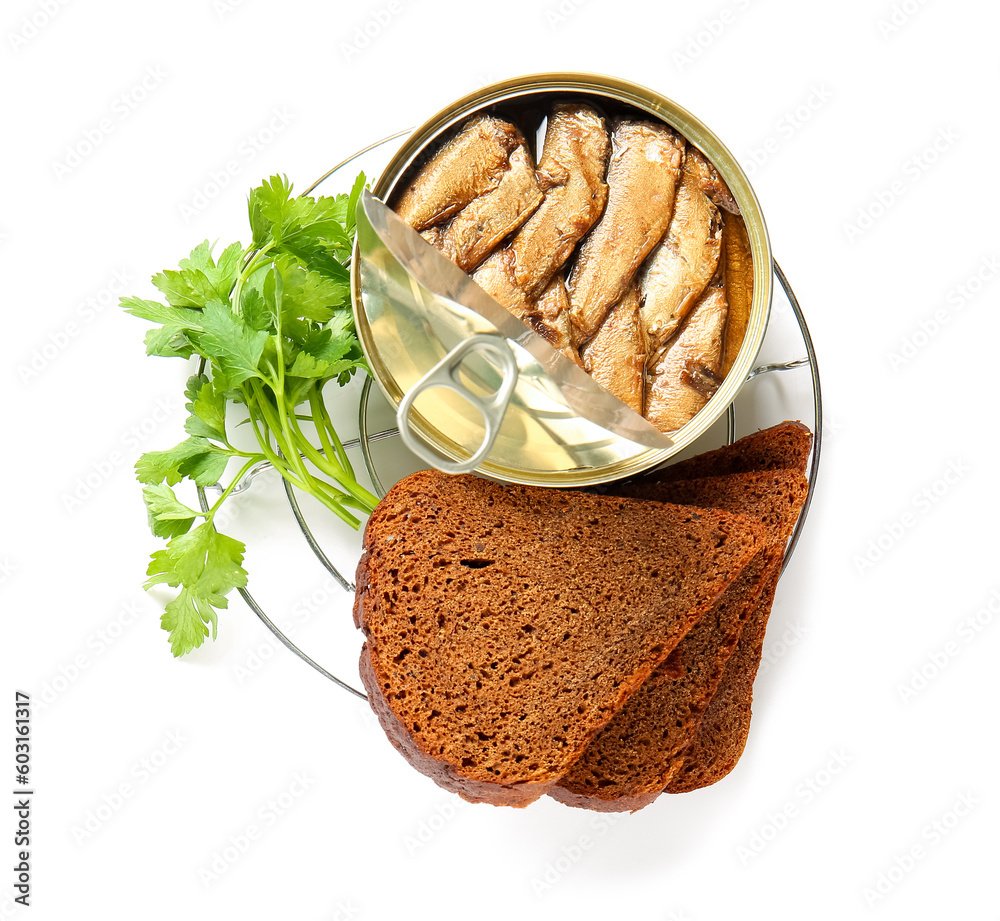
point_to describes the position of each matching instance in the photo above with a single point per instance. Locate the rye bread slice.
(505, 625)
(631, 761)
(785, 446)
(725, 727)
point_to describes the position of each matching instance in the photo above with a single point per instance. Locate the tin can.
(533, 446)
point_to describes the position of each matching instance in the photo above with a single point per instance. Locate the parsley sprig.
(272, 325)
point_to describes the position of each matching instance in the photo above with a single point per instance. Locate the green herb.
(272, 324)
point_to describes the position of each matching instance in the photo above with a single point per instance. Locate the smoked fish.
(549, 317)
(468, 165)
(472, 234)
(615, 357)
(496, 277)
(739, 285)
(677, 272)
(571, 173)
(643, 174)
(683, 377)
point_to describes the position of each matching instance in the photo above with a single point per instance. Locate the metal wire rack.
(367, 438)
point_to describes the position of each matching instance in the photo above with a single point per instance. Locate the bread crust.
(443, 774)
(641, 750)
(465, 590)
(712, 720)
(785, 446)
(723, 733)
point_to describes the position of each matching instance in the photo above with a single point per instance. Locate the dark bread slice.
(505, 625)
(631, 761)
(785, 446)
(725, 727)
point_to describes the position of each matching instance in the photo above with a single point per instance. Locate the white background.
(869, 785)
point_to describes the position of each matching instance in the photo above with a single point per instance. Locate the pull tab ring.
(445, 374)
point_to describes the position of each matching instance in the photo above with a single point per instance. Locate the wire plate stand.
(367, 438)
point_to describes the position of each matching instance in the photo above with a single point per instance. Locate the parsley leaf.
(179, 318)
(233, 347)
(306, 294)
(272, 324)
(200, 278)
(168, 517)
(207, 565)
(207, 408)
(196, 457)
(168, 342)
(254, 309)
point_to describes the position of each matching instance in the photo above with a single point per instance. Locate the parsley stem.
(264, 438)
(321, 429)
(325, 424)
(290, 445)
(275, 425)
(232, 485)
(286, 443)
(334, 499)
(328, 463)
(253, 263)
(300, 478)
(345, 481)
(278, 454)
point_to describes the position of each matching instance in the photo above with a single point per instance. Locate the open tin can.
(541, 441)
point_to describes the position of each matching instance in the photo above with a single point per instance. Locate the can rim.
(620, 92)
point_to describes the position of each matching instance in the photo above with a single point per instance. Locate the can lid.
(418, 308)
(390, 246)
(541, 441)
